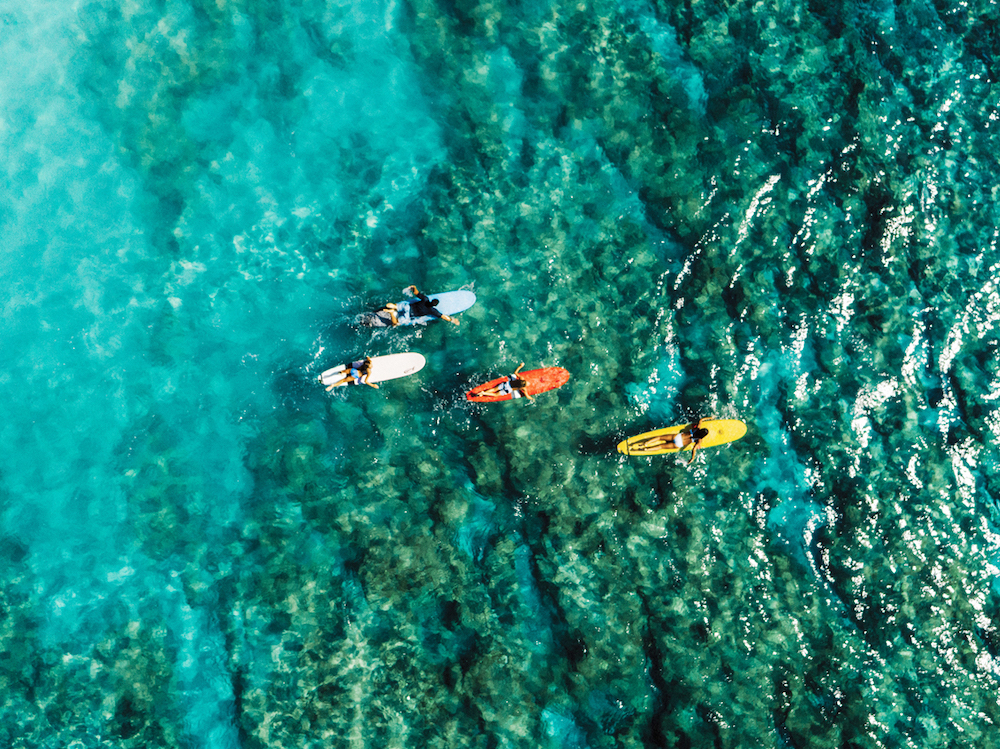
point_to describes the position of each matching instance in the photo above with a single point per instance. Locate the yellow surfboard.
(660, 442)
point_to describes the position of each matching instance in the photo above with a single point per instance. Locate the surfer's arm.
(368, 373)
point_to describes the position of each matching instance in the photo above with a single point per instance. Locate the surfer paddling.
(692, 435)
(426, 306)
(513, 386)
(423, 306)
(358, 372)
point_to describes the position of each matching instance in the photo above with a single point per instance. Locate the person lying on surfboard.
(359, 371)
(425, 306)
(692, 434)
(514, 386)
(422, 307)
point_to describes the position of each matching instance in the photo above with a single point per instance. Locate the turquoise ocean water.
(780, 212)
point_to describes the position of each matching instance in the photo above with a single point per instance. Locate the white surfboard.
(388, 367)
(449, 303)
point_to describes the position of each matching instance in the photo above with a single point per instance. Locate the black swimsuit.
(423, 306)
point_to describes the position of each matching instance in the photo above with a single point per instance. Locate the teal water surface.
(779, 212)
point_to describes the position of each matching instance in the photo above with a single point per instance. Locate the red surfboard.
(539, 380)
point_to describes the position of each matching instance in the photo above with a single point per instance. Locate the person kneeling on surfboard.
(514, 386)
(692, 434)
(424, 306)
(358, 371)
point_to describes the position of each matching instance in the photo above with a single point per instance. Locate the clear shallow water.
(782, 214)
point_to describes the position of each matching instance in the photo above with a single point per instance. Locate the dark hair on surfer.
(518, 383)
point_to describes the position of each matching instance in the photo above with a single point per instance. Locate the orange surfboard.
(539, 380)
